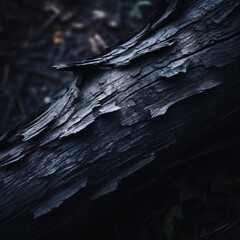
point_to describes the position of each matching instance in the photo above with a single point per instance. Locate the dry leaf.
(98, 15)
(97, 43)
(100, 41)
(58, 37)
(67, 16)
(77, 26)
(112, 24)
(49, 6)
(94, 46)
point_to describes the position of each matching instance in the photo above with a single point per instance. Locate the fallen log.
(131, 114)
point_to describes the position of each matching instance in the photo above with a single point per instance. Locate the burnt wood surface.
(139, 109)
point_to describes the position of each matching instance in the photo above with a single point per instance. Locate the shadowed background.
(34, 35)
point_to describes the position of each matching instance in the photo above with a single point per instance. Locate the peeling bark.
(139, 108)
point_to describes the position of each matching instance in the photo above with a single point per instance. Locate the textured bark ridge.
(139, 108)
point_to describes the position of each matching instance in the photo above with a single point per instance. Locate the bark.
(139, 108)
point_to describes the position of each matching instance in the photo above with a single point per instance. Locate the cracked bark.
(140, 108)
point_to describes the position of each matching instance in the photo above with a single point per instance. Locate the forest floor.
(35, 35)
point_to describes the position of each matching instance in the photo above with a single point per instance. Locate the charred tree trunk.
(132, 114)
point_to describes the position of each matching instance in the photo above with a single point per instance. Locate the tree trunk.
(132, 114)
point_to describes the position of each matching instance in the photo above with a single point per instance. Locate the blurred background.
(34, 35)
